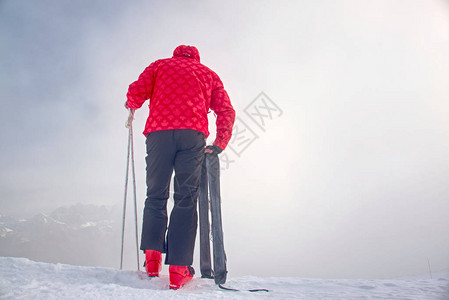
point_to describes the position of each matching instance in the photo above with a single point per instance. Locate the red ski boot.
(180, 275)
(153, 264)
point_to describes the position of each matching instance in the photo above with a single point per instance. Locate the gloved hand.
(213, 149)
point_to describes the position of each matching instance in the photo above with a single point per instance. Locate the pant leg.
(161, 151)
(183, 219)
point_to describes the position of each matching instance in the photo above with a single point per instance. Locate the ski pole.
(130, 153)
(135, 200)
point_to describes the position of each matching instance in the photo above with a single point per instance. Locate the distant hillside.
(79, 234)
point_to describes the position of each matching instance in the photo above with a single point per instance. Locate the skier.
(181, 92)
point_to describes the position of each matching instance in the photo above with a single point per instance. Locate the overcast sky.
(351, 180)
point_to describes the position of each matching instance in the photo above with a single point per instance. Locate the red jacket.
(181, 92)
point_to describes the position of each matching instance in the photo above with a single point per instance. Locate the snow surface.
(21, 278)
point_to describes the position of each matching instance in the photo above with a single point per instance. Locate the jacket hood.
(188, 51)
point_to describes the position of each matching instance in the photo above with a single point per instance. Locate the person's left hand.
(213, 149)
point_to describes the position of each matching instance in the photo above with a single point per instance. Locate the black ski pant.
(181, 150)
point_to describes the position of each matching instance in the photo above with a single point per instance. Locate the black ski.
(210, 188)
(203, 210)
(235, 290)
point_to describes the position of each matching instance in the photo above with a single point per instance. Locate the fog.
(348, 179)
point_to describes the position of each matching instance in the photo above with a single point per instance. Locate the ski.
(203, 211)
(210, 194)
(235, 290)
(210, 188)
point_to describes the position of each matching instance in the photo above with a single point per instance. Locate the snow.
(4, 231)
(21, 278)
(88, 224)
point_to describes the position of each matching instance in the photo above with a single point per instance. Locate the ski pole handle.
(129, 122)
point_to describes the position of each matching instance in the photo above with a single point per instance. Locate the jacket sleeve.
(140, 90)
(221, 105)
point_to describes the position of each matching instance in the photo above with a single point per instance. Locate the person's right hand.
(213, 149)
(126, 104)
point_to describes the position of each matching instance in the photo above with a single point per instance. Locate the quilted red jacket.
(181, 92)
